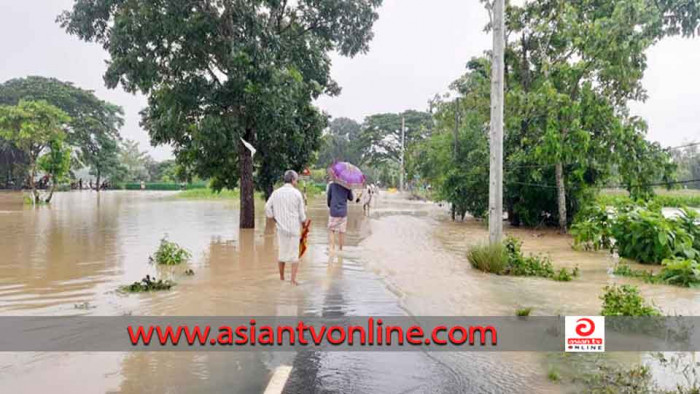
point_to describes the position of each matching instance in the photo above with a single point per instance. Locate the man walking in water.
(337, 198)
(286, 207)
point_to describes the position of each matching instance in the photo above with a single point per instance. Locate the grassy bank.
(665, 198)
(209, 194)
(160, 186)
(312, 190)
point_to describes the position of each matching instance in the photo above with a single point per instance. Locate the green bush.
(169, 253)
(489, 258)
(680, 272)
(625, 300)
(507, 259)
(533, 265)
(148, 284)
(677, 272)
(523, 312)
(592, 228)
(640, 233)
(647, 236)
(563, 276)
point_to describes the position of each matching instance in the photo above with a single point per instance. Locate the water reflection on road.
(406, 258)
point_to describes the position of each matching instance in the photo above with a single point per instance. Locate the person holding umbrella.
(345, 176)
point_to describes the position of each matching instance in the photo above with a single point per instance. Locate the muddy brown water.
(406, 258)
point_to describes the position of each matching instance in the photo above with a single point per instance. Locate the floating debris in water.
(148, 284)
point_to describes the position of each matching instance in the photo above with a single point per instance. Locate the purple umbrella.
(347, 175)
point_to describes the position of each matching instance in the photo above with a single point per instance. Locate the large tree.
(94, 125)
(572, 67)
(35, 127)
(340, 142)
(220, 72)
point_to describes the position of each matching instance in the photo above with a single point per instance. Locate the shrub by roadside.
(639, 232)
(508, 259)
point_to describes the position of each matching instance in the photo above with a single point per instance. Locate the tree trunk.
(247, 188)
(268, 191)
(32, 184)
(53, 188)
(97, 187)
(561, 196)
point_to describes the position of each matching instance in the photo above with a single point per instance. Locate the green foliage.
(519, 265)
(340, 143)
(625, 300)
(209, 194)
(592, 228)
(489, 258)
(508, 259)
(681, 272)
(610, 379)
(645, 235)
(523, 311)
(572, 68)
(94, 124)
(563, 276)
(170, 253)
(148, 284)
(32, 127)
(226, 70)
(640, 232)
(671, 199)
(676, 271)
(455, 158)
(553, 375)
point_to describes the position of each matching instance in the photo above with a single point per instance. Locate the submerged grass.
(521, 312)
(489, 258)
(209, 194)
(148, 284)
(507, 259)
(677, 272)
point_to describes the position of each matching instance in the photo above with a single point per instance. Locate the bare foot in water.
(294, 283)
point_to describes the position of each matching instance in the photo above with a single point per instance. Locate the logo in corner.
(584, 334)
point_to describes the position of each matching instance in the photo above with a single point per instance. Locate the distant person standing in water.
(286, 207)
(337, 198)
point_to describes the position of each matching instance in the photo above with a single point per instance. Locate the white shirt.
(286, 206)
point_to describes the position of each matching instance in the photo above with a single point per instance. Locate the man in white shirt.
(286, 207)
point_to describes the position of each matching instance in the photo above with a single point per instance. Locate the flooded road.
(407, 258)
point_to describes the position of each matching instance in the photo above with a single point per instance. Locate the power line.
(683, 146)
(546, 186)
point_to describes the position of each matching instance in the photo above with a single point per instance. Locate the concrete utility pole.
(403, 142)
(496, 135)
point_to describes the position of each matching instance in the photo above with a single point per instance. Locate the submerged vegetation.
(170, 253)
(522, 312)
(678, 272)
(148, 284)
(508, 259)
(640, 232)
(625, 300)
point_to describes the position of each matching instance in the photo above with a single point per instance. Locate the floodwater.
(406, 258)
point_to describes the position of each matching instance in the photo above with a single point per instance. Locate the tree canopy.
(571, 69)
(34, 127)
(217, 72)
(94, 123)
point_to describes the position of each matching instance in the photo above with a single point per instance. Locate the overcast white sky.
(420, 46)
